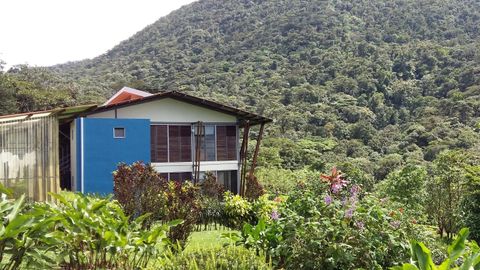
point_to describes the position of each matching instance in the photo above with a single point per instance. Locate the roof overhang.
(68, 113)
(243, 116)
(63, 114)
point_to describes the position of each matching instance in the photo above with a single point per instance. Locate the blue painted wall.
(103, 152)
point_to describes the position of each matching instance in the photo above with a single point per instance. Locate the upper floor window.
(170, 143)
(173, 143)
(119, 132)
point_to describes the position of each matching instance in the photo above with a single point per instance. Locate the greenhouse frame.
(30, 151)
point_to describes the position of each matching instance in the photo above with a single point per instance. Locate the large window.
(170, 143)
(207, 143)
(226, 143)
(173, 143)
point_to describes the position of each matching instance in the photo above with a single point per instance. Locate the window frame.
(119, 137)
(234, 155)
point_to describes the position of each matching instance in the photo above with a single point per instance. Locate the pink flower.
(336, 181)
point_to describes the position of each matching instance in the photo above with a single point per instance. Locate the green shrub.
(140, 190)
(225, 258)
(461, 255)
(331, 225)
(91, 233)
(75, 232)
(212, 212)
(282, 181)
(253, 188)
(471, 203)
(407, 187)
(20, 233)
(237, 210)
(210, 188)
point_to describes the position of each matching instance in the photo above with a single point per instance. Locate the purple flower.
(360, 225)
(354, 190)
(344, 201)
(328, 199)
(275, 215)
(349, 212)
(395, 224)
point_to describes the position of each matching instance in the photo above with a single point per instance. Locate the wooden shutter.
(221, 143)
(174, 143)
(231, 142)
(180, 143)
(158, 143)
(226, 143)
(186, 143)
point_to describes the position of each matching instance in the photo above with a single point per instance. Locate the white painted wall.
(168, 110)
(205, 166)
(105, 114)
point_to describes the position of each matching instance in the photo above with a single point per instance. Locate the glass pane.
(119, 132)
(207, 143)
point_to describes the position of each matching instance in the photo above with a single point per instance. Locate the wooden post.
(243, 158)
(257, 149)
(198, 140)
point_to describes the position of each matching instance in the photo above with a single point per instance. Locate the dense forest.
(374, 143)
(368, 85)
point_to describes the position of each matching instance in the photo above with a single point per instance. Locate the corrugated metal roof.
(61, 113)
(67, 113)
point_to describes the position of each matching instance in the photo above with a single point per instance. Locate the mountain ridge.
(388, 82)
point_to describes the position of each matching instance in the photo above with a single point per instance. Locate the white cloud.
(49, 32)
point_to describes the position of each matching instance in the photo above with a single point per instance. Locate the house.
(78, 148)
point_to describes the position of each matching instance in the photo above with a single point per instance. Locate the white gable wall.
(168, 110)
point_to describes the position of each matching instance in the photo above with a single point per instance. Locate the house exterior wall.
(99, 152)
(168, 110)
(165, 111)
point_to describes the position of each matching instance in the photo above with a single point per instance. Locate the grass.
(207, 239)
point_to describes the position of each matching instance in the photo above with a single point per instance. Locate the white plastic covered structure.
(29, 155)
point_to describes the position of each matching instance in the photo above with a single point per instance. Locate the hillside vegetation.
(369, 85)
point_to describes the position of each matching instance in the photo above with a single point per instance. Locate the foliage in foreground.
(91, 233)
(226, 258)
(76, 232)
(459, 257)
(331, 225)
(20, 232)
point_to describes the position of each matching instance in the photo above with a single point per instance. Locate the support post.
(198, 140)
(257, 149)
(243, 158)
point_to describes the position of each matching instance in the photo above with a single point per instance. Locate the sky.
(48, 32)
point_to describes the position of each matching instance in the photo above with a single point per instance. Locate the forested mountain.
(370, 84)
